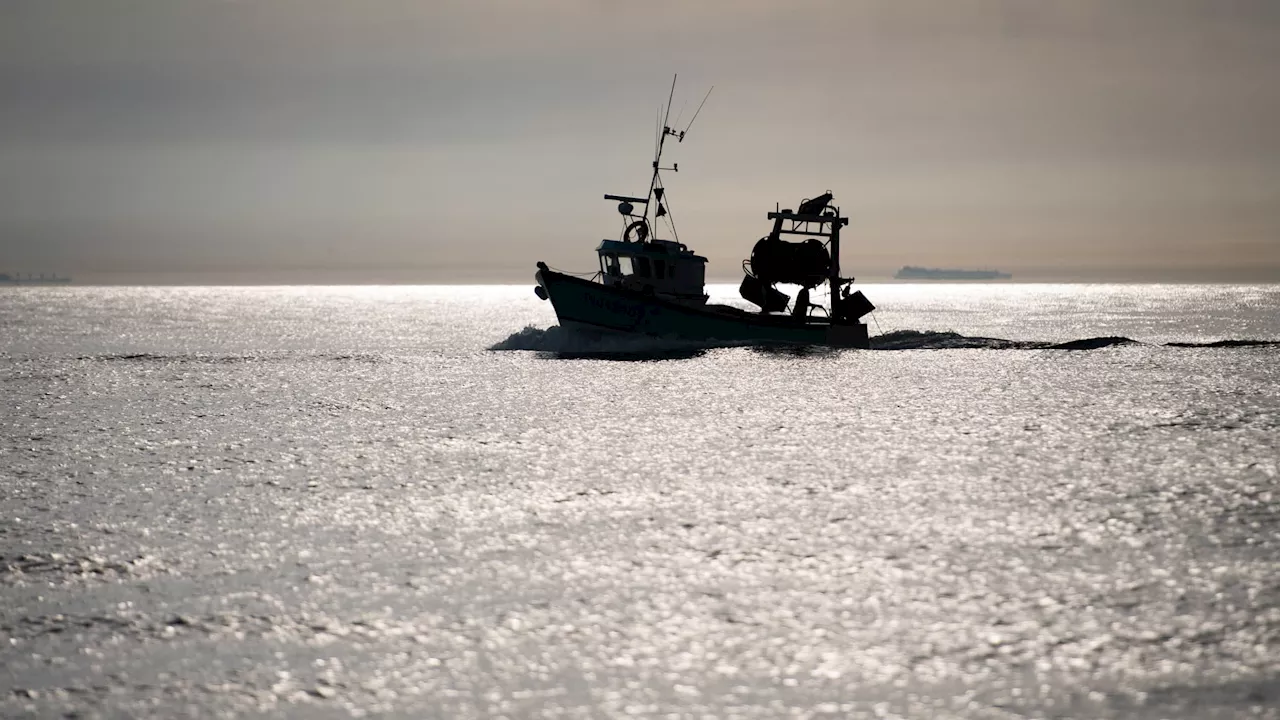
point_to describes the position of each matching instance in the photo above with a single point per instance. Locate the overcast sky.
(466, 139)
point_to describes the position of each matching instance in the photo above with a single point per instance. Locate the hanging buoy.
(641, 230)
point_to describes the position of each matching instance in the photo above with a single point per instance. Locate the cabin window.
(624, 265)
(659, 269)
(609, 264)
(642, 267)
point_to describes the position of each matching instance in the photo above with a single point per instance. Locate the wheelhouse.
(659, 267)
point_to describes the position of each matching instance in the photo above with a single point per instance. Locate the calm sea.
(423, 502)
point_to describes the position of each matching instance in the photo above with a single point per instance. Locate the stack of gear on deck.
(774, 260)
(806, 264)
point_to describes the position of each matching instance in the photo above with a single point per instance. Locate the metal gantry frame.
(801, 224)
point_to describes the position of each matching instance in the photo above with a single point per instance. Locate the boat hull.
(584, 304)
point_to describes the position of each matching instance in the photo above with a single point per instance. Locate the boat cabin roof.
(661, 248)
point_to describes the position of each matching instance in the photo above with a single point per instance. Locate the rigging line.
(695, 114)
(671, 219)
(680, 114)
(575, 274)
(667, 217)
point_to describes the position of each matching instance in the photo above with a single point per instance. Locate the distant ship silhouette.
(911, 272)
(32, 279)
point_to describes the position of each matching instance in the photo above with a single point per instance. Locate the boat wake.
(567, 343)
(916, 340)
(570, 343)
(930, 340)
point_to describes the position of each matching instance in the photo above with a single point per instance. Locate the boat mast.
(655, 186)
(657, 193)
(656, 190)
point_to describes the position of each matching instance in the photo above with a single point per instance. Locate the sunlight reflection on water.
(336, 500)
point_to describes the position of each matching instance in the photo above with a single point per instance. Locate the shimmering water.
(334, 501)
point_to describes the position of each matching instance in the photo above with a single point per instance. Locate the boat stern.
(851, 335)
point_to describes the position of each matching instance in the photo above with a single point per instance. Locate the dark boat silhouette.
(912, 272)
(655, 287)
(32, 279)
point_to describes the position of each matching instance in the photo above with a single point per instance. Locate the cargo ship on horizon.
(912, 272)
(32, 279)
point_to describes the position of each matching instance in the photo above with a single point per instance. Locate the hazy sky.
(467, 139)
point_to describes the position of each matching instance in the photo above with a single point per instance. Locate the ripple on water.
(282, 502)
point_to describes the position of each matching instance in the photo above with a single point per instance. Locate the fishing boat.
(649, 286)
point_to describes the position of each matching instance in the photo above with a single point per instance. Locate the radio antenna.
(670, 97)
(695, 114)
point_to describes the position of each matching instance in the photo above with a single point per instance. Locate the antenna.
(670, 97)
(695, 114)
(657, 133)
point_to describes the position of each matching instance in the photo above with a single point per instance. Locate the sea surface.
(1048, 501)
